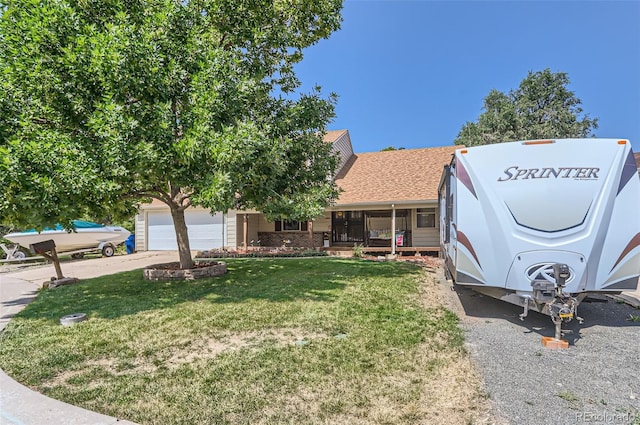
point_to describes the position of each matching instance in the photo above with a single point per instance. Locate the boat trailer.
(13, 252)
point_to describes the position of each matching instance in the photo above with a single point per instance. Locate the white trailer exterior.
(509, 212)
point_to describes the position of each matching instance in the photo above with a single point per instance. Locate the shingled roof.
(399, 176)
(333, 135)
(637, 155)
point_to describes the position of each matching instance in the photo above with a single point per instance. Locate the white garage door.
(205, 230)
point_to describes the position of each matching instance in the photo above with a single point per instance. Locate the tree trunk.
(182, 237)
(310, 228)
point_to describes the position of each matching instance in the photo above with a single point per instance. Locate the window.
(426, 217)
(291, 226)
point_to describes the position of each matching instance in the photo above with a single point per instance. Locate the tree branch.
(42, 121)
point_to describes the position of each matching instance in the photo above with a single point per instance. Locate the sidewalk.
(20, 405)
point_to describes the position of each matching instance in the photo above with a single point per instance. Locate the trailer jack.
(562, 310)
(562, 307)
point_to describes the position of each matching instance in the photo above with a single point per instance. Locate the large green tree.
(108, 103)
(541, 108)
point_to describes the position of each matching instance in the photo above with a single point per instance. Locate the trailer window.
(426, 217)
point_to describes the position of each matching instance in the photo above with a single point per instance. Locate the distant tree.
(104, 105)
(391, 148)
(541, 108)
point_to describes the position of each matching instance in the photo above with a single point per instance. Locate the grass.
(571, 398)
(273, 341)
(633, 318)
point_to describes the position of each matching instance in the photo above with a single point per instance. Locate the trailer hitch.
(562, 307)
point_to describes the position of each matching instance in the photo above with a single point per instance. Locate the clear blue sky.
(411, 73)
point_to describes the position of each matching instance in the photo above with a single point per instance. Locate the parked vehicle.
(542, 223)
(86, 236)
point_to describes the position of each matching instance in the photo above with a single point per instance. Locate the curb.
(627, 299)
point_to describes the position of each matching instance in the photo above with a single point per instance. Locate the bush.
(262, 252)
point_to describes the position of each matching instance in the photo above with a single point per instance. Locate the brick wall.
(298, 239)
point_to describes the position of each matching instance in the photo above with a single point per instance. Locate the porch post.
(393, 229)
(245, 232)
(310, 229)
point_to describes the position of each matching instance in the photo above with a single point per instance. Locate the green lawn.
(273, 341)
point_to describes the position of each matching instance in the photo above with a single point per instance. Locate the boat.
(85, 236)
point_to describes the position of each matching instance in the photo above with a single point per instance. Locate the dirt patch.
(186, 352)
(207, 348)
(456, 395)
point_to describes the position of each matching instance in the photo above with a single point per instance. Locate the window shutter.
(303, 226)
(278, 226)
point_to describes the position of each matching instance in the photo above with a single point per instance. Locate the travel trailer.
(542, 223)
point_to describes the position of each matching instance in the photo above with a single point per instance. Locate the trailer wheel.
(108, 250)
(77, 255)
(19, 255)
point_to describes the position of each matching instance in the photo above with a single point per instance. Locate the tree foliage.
(106, 104)
(541, 108)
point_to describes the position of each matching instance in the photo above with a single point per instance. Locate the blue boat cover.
(78, 224)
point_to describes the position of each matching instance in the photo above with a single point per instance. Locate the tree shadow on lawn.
(271, 280)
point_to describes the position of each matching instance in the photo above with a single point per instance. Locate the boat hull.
(78, 239)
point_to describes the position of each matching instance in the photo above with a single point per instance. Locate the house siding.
(231, 235)
(254, 219)
(429, 237)
(426, 237)
(264, 225)
(322, 223)
(344, 148)
(140, 232)
(252, 230)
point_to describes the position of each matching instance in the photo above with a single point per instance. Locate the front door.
(348, 226)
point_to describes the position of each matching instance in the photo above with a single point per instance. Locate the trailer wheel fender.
(108, 250)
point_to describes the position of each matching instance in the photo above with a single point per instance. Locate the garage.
(206, 231)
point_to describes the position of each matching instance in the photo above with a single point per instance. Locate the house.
(637, 155)
(381, 191)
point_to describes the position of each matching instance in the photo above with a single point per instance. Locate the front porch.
(375, 230)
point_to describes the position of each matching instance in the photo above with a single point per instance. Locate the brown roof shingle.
(393, 176)
(332, 135)
(637, 155)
